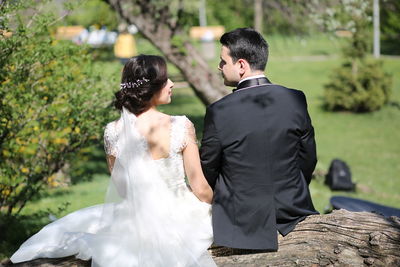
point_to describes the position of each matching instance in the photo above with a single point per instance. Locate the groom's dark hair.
(248, 44)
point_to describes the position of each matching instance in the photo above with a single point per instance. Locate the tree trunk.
(258, 16)
(342, 238)
(157, 24)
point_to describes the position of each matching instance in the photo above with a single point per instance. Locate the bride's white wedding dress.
(150, 218)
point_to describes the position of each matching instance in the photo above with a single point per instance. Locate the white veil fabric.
(156, 227)
(142, 222)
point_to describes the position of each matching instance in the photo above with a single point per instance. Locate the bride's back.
(156, 129)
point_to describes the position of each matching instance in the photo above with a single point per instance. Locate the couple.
(254, 166)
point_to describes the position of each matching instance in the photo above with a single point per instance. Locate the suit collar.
(252, 83)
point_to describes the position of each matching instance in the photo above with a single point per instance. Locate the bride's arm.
(110, 162)
(110, 145)
(194, 173)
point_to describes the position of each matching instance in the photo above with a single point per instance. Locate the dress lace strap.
(111, 133)
(182, 133)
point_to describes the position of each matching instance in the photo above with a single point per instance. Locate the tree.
(163, 23)
(341, 238)
(287, 17)
(232, 14)
(390, 26)
(360, 84)
(274, 16)
(52, 103)
(93, 12)
(258, 15)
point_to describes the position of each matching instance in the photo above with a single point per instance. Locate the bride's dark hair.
(142, 77)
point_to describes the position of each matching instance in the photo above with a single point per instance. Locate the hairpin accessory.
(135, 84)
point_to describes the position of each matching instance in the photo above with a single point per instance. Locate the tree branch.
(159, 26)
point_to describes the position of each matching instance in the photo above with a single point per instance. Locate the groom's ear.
(243, 66)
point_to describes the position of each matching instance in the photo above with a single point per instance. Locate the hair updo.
(142, 77)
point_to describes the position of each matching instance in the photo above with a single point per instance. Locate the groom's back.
(261, 186)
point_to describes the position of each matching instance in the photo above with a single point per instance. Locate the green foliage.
(353, 16)
(178, 42)
(390, 26)
(53, 104)
(360, 90)
(358, 85)
(231, 14)
(287, 17)
(93, 12)
(87, 163)
(279, 16)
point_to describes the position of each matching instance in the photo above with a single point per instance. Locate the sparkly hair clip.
(135, 84)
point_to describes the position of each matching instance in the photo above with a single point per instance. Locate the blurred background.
(61, 61)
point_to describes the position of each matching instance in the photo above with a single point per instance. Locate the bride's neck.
(152, 111)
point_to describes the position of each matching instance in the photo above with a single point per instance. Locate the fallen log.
(341, 238)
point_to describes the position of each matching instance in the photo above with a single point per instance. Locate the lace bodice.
(170, 168)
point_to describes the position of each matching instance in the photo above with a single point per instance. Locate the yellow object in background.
(68, 32)
(125, 46)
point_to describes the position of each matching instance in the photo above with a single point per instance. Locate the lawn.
(368, 142)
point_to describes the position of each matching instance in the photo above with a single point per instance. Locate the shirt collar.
(251, 82)
(251, 77)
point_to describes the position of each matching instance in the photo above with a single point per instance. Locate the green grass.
(368, 142)
(74, 197)
(296, 47)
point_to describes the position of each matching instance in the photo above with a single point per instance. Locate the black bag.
(339, 176)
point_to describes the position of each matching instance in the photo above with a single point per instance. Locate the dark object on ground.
(354, 204)
(339, 176)
(341, 238)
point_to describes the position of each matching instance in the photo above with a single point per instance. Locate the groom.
(258, 150)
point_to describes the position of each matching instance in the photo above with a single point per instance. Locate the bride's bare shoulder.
(162, 119)
(164, 116)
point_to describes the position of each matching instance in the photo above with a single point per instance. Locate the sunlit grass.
(71, 198)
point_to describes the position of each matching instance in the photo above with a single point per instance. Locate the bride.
(152, 215)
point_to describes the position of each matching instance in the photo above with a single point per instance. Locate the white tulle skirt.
(118, 241)
(144, 222)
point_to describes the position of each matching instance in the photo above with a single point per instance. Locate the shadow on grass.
(52, 193)
(15, 229)
(86, 165)
(394, 104)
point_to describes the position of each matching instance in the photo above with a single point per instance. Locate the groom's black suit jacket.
(258, 154)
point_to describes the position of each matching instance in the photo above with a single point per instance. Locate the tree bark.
(258, 16)
(342, 238)
(163, 29)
